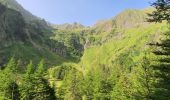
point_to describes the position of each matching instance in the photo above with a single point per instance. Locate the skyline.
(86, 12)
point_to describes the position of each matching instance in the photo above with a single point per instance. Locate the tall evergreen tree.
(27, 83)
(42, 89)
(35, 86)
(162, 11)
(8, 83)
(40, 68)
(162, 67)
(74, 85)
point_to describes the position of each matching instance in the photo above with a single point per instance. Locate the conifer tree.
(74, 84)
(42, 89)
(27, 83)
(162, 67)
(8, 83)
(35, 86)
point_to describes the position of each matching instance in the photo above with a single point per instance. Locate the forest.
(126, 57)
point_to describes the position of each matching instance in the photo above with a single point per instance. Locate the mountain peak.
(130, 18)
(69, 26)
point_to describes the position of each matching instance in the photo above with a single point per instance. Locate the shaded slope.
(25, 41)
(13, 4)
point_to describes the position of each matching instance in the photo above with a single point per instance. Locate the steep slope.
(28, 17)
(105, 30)
(114, 49)
(126, 35)
(27, 37)
(128, 45)
(24, 40)
(13, 4)
(127, 19)
(12, 25)
(130, 18)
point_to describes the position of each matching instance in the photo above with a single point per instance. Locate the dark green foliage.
(162, 51)
(42, 90)
(69, 43)
(8, 83)
(71, 88)
(13, 4)
(24, 40)
(162, 11)
(162, 68)
(14, 90)
(35, 86)
(27, 83)
(11, 25)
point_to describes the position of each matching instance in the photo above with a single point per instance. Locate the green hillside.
(23, 40)
(113, 48)
(123, 58)
(13, 4)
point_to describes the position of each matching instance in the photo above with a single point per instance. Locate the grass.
(133, 42)
(27, 53)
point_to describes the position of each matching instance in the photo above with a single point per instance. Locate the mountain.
(37, 38)
(12, 25)
(126, 34)
(130, 18)
(13, 4)
(68, 26)
(114, 64)
(109, 60)
(22, 38)
(126, 19)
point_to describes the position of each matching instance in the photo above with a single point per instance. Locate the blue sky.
(86, 12)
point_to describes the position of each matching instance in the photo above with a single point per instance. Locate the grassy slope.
(133, 42)
(123, 44)
(126, 51)
(28, 52)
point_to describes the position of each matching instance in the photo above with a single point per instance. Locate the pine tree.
(35, 86)
(162, 66)
(27, 83)
(8, 83)
(12, 66)
(40, 69)
(42, 89)
(30, 69)
(74, 84)
(162, 11)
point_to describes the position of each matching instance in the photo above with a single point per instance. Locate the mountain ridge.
(41, 36)
(13, 4)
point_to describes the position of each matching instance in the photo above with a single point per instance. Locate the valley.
(123, 58)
